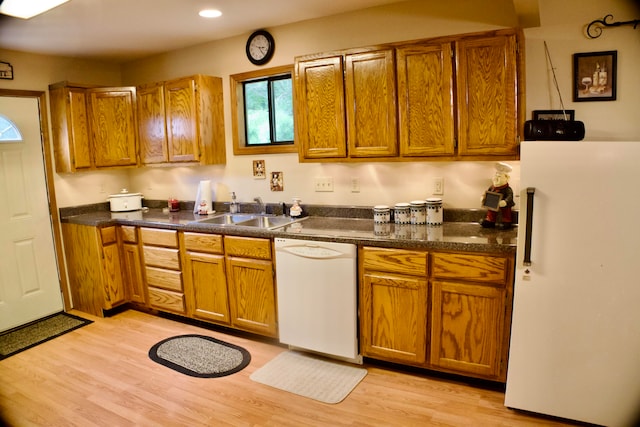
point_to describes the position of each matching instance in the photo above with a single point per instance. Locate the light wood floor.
(100, 375)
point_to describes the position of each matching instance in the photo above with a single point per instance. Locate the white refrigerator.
(575, 337)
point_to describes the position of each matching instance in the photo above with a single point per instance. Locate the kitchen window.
(262, 111)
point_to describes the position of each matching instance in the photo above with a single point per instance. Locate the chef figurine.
(500, 185)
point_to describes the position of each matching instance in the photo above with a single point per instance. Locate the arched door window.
(8, 130)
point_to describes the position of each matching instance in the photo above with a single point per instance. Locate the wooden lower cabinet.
(93, 261)
(467, 328)
(250, 277)
(472, 296)
(443, 311)
(393, 305)
(132, 265)
(205, 278)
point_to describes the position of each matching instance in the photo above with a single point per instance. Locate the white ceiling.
(123, 30)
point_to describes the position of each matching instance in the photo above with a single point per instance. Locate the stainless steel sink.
(247, 220)
(226, 219)
(266, 222)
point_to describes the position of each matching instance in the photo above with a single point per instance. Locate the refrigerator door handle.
(528, 228)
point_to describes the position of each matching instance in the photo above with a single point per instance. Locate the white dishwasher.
(317, 296)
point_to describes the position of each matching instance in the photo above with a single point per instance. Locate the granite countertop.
(458, 232)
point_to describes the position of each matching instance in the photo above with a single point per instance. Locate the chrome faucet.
(234, 206)
(260, 203)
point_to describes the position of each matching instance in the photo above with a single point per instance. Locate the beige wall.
(561, 26)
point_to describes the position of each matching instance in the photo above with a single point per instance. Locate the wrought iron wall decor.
(594, 29)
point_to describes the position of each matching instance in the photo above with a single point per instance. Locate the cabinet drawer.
(162, 257)
(395, 261)
(108, 235)
(166, 279)
(157, 237)
(166, 300)
(481, 268)
(128, 234)
(199, 242)
(247, 247)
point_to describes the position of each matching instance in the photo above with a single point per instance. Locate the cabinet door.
(152, 131)
(132, 267)
(78, 129)
(319, 108)
(182, 120)
(393, 317)
(252, 295)
(371, 104)
(113, 126)
(487, 95)
(70, 126)
(209, 298)
(114, 289)
(425, 100)
(467, 328)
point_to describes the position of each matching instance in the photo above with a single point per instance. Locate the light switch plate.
(323, 183)
(438, 186)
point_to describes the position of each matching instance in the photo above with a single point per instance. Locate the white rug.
(310, 376)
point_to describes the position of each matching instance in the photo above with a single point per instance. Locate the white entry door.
(29, 283)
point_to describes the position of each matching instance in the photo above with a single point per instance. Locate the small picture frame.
(492, 200)
(277, 181)
(594, 76)
(259, 169)
(6, 70)
(568, 115)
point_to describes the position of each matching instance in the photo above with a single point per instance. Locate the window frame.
(237, 112)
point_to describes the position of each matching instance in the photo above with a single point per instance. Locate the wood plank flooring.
(101, 375)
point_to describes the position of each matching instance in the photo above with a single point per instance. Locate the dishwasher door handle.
(313, 252)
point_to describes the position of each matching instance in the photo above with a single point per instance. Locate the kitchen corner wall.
(561, 26)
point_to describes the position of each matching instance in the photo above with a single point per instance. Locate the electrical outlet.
(438, 186)
(324, 183)
(355, 185)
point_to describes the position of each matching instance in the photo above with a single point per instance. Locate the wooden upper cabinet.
(152, 128)
(93, 127)
(425, 100)
(181, 110)
(487, 97)
(454, 97)
(70, 125)
(371, 104)
(319, 110)
(194, 120)
(113, 126)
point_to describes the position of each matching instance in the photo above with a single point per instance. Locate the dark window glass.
(268, 111)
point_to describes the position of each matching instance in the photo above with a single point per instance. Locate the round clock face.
(260, 47)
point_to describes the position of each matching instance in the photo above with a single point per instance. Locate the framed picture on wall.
(594, 76)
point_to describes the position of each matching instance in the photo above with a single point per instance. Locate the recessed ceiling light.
(210, 13)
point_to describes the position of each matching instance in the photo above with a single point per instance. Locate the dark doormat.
(30, 335)
(200, 356)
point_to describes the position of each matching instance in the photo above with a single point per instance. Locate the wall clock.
(260, 47)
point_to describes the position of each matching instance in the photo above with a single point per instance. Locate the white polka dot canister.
(402, 213)
(418, 212)
(434, 211)
(381, 214)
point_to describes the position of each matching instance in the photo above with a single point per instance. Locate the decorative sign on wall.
(6, 71)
